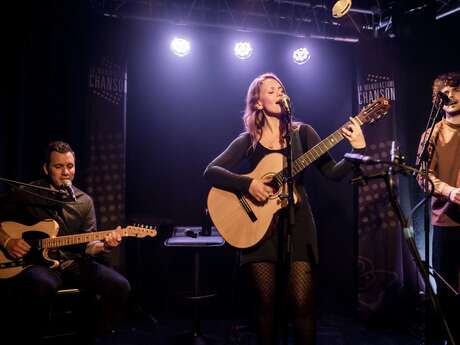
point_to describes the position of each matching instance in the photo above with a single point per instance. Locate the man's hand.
(454, 196)
(17, 247)
(112, 240)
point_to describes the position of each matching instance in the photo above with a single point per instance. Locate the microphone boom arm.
(15, 184)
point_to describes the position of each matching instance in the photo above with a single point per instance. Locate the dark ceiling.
(311, 18)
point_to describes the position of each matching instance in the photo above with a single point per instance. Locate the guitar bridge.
(247, 208)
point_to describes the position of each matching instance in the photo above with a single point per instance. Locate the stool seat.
(194, 298)
(68, 291)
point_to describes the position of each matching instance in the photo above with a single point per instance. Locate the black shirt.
(221, 173)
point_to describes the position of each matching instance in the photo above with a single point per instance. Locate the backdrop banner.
(388, 279)
(106, 111)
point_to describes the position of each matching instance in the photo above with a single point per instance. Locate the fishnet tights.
(301, 301)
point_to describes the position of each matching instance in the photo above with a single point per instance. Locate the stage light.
(243, 50)
(341, 8)
(301, 56)
(180, 46)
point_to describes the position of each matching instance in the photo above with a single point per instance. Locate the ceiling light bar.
(447, 13)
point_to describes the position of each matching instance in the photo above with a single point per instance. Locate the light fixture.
(301, 55)
(341, 8)
(243, 50)
(180, 46)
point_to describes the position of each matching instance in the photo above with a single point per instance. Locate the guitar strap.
(296, 144)
(297, 151)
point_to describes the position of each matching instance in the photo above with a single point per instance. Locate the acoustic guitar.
(241, 220)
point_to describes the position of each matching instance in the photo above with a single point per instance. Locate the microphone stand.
(18, 184)
(398, 166)
(285, 241)
(422, 167)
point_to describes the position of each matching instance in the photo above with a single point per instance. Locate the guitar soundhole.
(276, 189)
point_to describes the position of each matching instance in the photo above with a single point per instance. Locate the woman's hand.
(259, 190)
(353, 133)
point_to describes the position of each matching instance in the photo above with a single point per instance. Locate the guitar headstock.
(140, 230)
(374, 111)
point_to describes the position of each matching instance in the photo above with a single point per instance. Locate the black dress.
(240, 156)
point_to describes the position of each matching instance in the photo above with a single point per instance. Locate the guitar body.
(9, 266)
(230, 217)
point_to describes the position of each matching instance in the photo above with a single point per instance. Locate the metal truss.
(311, 18)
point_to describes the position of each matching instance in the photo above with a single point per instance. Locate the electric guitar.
(42, 238)
(241, 220)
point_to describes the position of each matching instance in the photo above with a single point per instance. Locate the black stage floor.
(331, 330)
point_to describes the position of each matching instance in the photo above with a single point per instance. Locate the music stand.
(191, 237)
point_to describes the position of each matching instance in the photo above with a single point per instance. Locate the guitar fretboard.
(313, 154)
(317, 151)
(68, 240)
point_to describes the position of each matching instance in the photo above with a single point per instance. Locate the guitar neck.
(316, 151)
(368, 114)
(68, 240)
(312, 155)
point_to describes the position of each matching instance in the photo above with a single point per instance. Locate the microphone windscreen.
(68, 186)
(285, 103)
(67, 183)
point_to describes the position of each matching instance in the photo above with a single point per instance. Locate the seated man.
(31, 292)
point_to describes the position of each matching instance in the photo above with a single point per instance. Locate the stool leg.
(196, 292)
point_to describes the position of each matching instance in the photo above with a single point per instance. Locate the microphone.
(393, 157)
(444, 99)
(285, 103)
(361, 159)
(67, 184)
(393, 151)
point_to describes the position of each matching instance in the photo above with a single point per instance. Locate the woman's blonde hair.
(254, 118)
